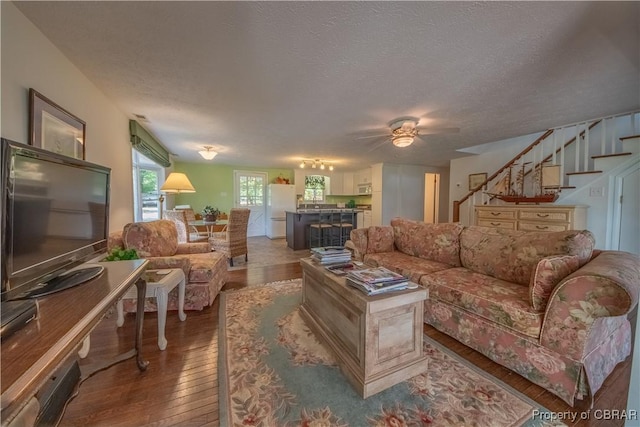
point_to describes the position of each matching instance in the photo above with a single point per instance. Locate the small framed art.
(55, 129)
(476, 179)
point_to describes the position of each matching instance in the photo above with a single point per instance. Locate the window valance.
(142, 141)
(314, 181)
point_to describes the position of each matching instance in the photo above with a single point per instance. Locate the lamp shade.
(177, 183)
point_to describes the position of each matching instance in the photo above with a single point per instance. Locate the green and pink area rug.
(273, 372)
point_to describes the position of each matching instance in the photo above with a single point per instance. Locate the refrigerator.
(280, 198)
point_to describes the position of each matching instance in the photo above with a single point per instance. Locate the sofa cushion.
(380, 239)
(205, 266)
(547, 275)
(153, 238)
(409, 266)
(493, 299)
(513, 255)
(436, 242)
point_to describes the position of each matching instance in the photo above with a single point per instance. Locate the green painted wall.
(214, 183)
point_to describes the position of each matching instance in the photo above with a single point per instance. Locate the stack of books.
(373, 281)
(331, 255)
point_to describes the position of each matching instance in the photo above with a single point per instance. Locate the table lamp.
(175, 183)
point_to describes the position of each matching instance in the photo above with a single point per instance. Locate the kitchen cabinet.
(367, 219)
(532, 218)
(341, 184)
(298, 177)
(336, 184)
(361, 177)
(347, 184)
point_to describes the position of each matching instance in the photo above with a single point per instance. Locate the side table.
(159, 284)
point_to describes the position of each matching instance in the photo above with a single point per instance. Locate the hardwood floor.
(180, 387)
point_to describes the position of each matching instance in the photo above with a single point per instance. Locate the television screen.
(54, 216)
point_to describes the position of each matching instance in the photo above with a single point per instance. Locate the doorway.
(626, 227)
(431, 197)
(250, 190)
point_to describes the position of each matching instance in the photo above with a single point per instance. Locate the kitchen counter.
(298, 224)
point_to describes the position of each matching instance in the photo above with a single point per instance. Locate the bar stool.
(320, 231)
(342, 227)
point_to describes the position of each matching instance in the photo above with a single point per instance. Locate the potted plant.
(119, 254)
(210, 213)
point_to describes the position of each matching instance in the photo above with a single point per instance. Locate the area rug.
(273, 372)
(264, 251)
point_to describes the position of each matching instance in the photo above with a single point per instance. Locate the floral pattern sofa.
(206, 271)
(545, 305)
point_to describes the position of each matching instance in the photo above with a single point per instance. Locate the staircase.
(583, 153)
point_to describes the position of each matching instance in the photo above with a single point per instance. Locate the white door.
(626, 195)
(250, 192)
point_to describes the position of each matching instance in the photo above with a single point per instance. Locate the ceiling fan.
(403, 131)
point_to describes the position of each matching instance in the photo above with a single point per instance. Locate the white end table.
(159, 284)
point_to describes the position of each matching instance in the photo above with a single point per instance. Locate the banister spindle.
(577, 140)
(603, 137)
(587, 146)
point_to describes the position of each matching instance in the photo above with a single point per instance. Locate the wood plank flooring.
(180, 387)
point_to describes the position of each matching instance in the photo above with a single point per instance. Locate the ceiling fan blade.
(377, 145)
(374, 136)
(435, 131)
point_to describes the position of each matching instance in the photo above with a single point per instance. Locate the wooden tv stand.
(31, 355)
(376, 339)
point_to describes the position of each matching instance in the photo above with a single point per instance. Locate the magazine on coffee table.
(375, 275)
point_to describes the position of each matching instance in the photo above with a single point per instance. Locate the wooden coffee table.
(377, 339)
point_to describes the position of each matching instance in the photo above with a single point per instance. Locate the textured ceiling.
(270, 83)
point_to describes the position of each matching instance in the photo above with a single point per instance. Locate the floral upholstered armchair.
(157, 241)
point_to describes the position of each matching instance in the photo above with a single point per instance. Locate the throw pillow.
(151, 239)
(380, 239)
(548, 273)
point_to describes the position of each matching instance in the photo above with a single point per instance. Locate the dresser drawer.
(542, 215)
(510, 225)
(496, 214)
(542, 226)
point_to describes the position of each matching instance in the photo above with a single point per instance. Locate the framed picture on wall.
(476, 179)
(55, 129)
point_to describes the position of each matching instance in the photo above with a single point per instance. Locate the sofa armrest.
(163, 262)
(193, 248)
(357, 243)
(590, 303)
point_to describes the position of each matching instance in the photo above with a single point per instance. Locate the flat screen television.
(55, 216)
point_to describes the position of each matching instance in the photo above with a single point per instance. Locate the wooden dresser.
(532, 217)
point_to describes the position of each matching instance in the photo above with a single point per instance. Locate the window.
(250, 189)
(314, 188)
(147, 179)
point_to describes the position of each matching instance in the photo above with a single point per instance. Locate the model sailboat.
(546, 185)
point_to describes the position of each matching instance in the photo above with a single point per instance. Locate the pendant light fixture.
(208, 153)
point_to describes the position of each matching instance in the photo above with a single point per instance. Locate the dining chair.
(191, 217)
(233, 241)
(185, 232)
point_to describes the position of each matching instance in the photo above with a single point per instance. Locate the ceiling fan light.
(207, 153)
(403, 141)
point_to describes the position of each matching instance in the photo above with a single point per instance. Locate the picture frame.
(55, 129)
(475, 179)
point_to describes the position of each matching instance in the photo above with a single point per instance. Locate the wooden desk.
(32, 354)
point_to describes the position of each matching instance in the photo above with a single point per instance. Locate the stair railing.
(574, 155)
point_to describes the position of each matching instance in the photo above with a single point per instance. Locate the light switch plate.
(596, 192)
